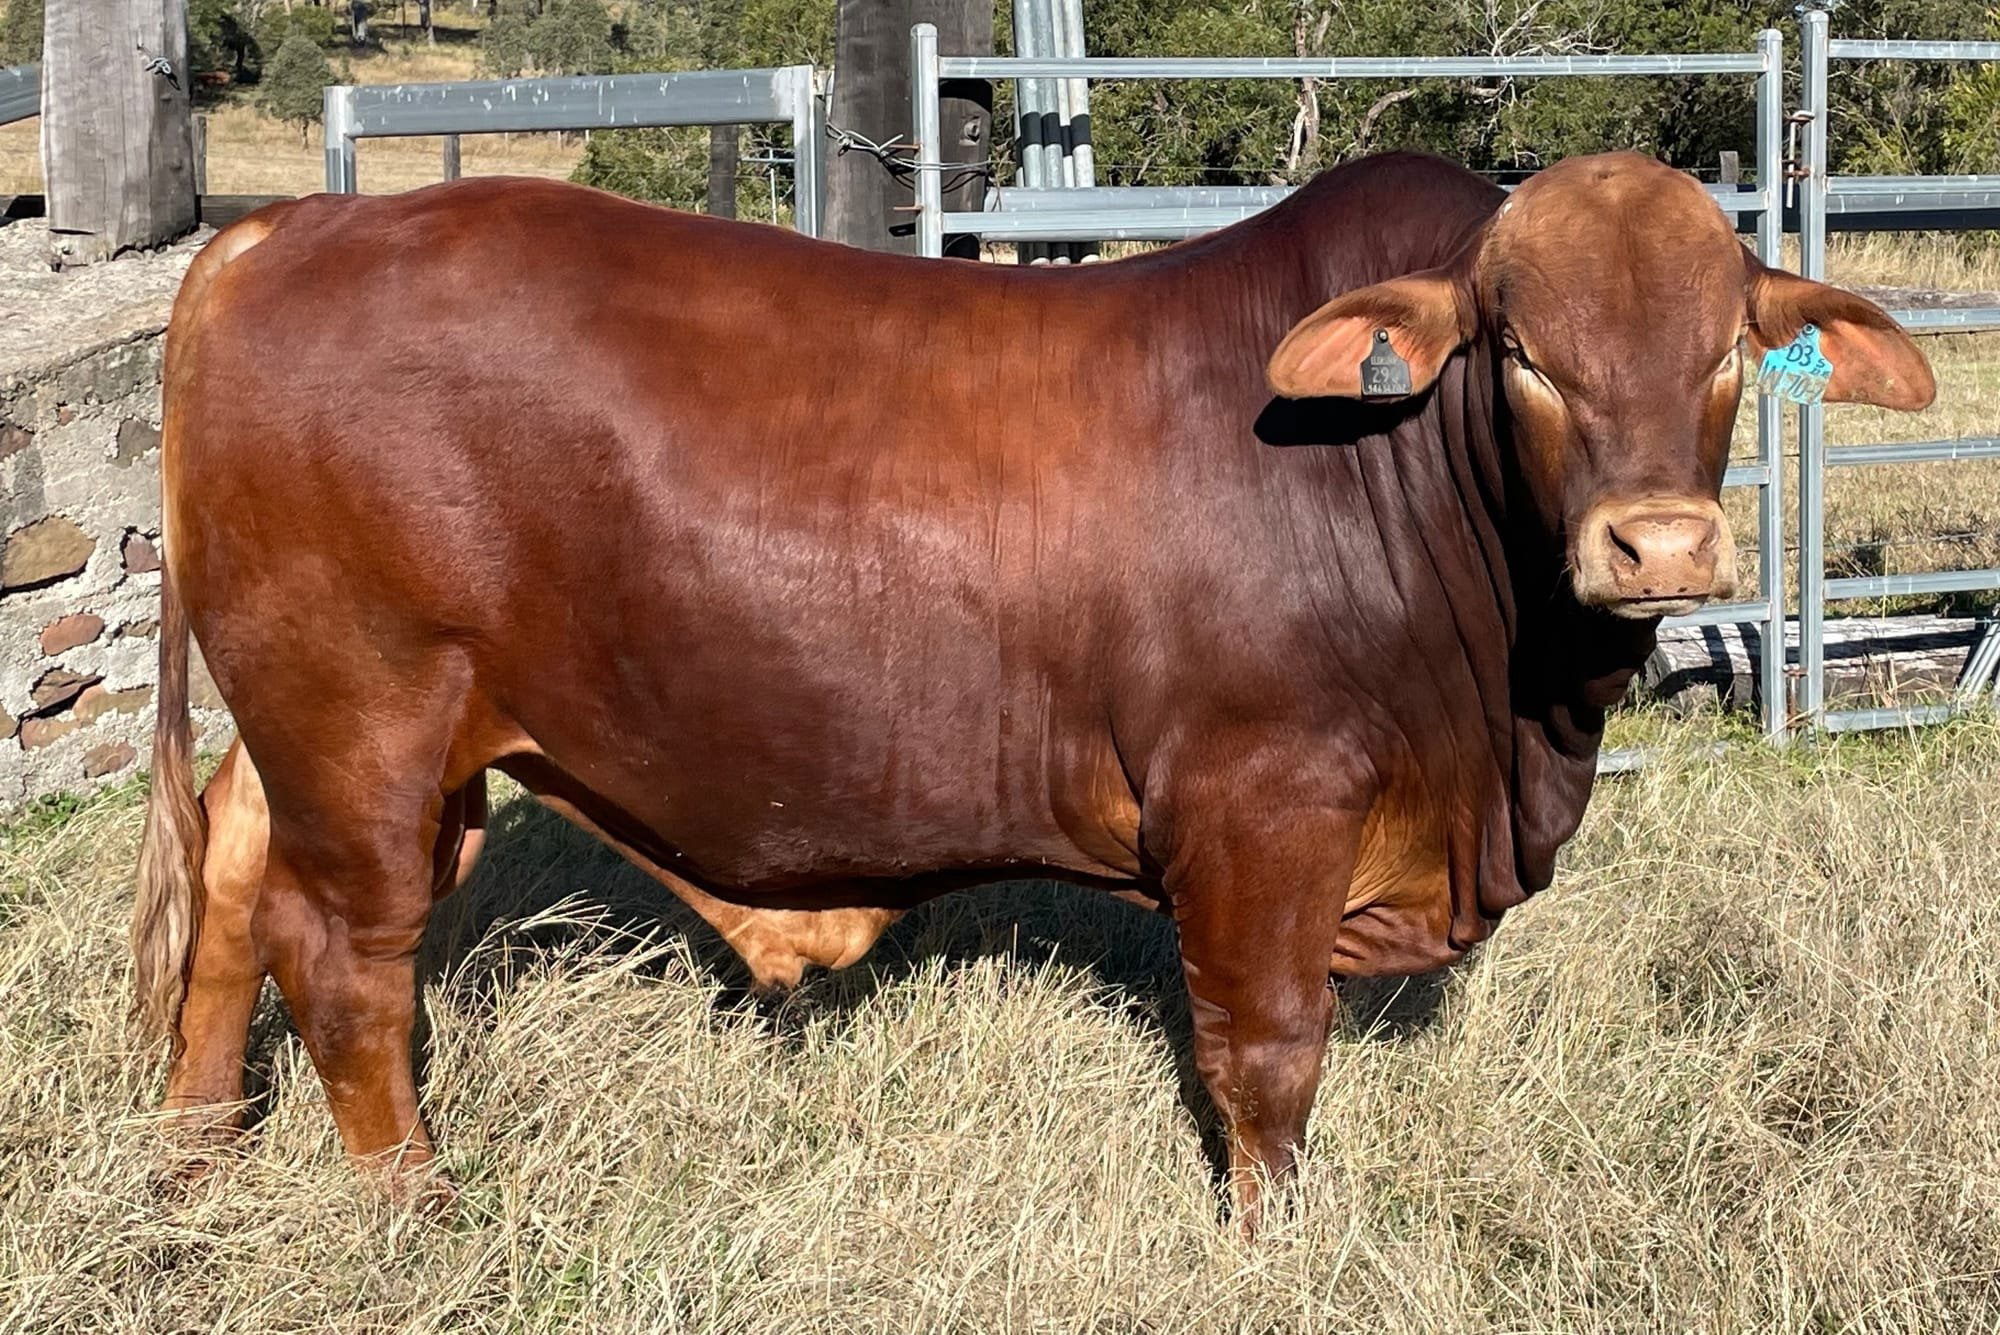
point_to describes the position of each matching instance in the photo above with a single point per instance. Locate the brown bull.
(819, 582)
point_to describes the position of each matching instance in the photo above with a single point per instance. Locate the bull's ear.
(1425, 316)
(1874, 361)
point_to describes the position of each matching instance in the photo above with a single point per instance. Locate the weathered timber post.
(866, 202)
(722, 159)
(117, 148)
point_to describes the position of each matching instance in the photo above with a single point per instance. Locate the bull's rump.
(678, 503)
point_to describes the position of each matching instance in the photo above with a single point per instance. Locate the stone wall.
(80, 518)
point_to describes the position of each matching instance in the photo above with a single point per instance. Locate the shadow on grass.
(535, 861)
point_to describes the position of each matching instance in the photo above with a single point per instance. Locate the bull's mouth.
(1645, 609)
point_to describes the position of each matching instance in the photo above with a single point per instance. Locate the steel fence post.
(1772, 680)
(1812, 417)
(337, 136)
(924, 117)
(808, 151)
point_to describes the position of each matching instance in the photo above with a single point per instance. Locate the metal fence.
(20, 93)
(1942, 202)
(1052, 116)
(1141, 213)
(785, 95)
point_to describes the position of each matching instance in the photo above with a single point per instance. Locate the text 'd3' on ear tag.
(1799, 371)
(1384, 375)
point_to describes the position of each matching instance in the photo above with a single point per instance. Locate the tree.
(21, 32)
(503, 47)
(670, 166)
(571, 37)
(294, 83)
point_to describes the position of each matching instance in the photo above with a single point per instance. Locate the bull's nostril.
(1623, 548)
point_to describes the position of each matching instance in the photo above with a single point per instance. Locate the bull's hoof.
(414, 1183)
(194, 1144)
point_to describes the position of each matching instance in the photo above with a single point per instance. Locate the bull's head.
(1623, 312)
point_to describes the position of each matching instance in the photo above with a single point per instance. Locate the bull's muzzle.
(1660, 556)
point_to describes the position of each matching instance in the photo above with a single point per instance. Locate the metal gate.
(1156, 214)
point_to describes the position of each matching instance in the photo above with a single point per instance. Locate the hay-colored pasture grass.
(1736, 1071)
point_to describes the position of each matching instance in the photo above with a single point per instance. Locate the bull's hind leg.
(205, 1084)
(363, 837)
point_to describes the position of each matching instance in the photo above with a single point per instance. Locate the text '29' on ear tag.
(1384, 375)
(1799, 371)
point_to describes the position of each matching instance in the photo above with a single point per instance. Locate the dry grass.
(1735, 1071)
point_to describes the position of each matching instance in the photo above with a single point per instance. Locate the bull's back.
(717, 520)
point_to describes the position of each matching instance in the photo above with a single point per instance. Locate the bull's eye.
(1524, 371)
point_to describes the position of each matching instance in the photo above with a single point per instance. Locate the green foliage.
(21, 32)
(572, 37)
(293, 81)
(564, 37)
(503, 47)
(219, 36)
(275, 26)
(1889, 117)
(1894, 116)
(1972, 121)
(671, 166)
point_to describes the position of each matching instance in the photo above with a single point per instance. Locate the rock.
(95, 702)
(68, 632)
(139, 553)
(136, 439)
(38, 732)
(14, 439)
(7, 725)
(64, 414)
(144, 628)
(43, 552)
(107, 758)
(202, 692)
(57, 687)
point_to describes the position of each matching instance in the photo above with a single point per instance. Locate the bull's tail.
(166, 917)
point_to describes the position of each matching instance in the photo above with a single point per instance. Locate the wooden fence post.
(117, 147)
(722, 170)
(867, 202)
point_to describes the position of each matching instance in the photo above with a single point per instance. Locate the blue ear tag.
(1799, 371)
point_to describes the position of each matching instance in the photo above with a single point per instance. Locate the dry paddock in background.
(1736, 1070)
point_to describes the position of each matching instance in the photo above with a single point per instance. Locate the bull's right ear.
(1426, 317)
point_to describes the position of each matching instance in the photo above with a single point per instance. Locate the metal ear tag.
(1384, 375)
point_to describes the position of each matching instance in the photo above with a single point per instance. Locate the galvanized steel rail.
(1132, 213)
(1948, 201)
(1341, 67)
(784, 95)
(20, 93)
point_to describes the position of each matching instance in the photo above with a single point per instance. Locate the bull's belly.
(807, 836)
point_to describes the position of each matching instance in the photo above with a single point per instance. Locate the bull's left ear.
(1423, 318)
(1874, 361)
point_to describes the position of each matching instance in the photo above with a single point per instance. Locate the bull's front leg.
(1258, 896)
